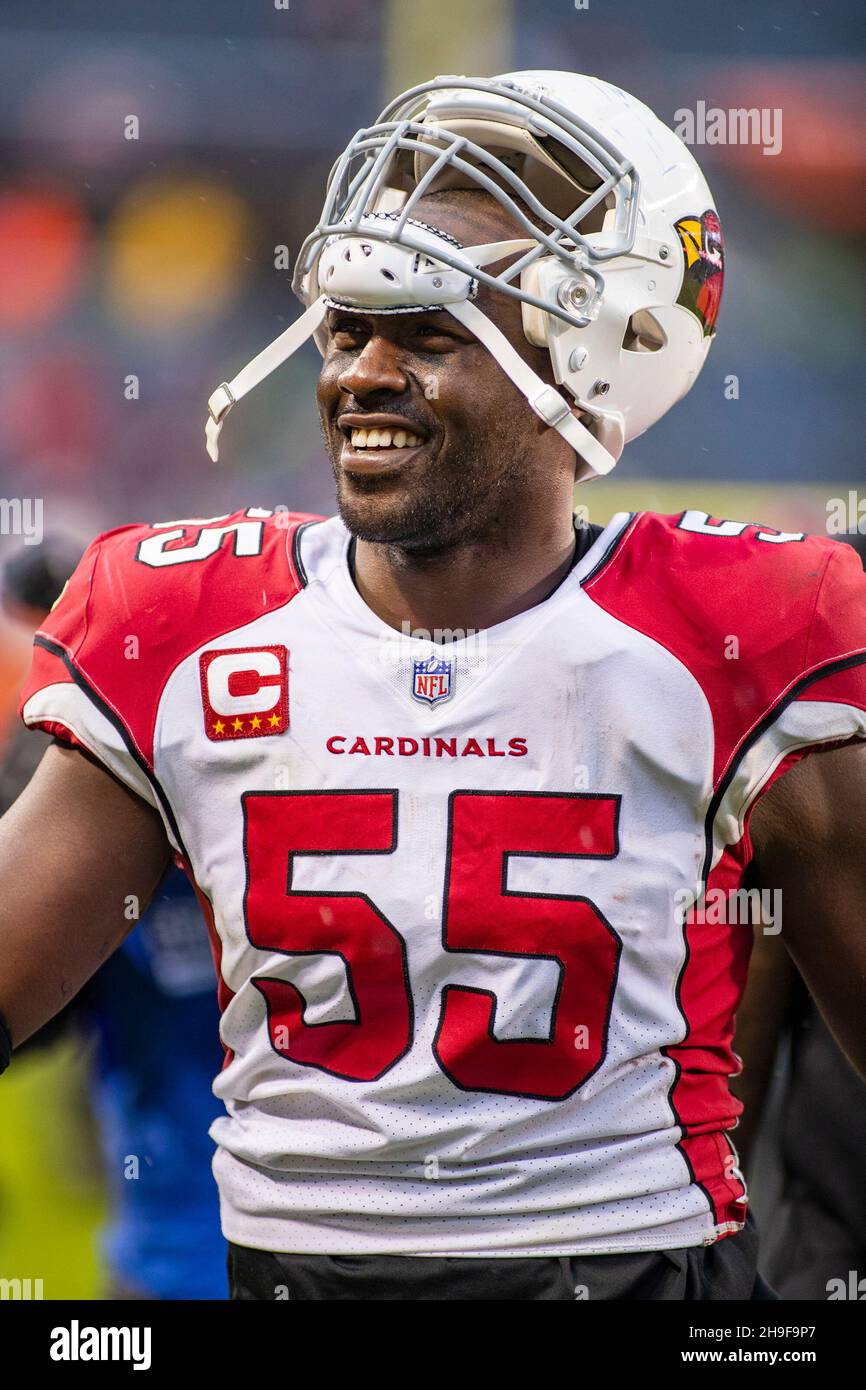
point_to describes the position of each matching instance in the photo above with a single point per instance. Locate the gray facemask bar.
(393, 227)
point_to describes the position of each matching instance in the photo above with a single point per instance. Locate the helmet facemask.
(574, 199)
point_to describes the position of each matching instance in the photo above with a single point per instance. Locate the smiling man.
(473, 523)
(476, 906)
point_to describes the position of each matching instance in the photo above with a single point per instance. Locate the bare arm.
(809, 836)
(74, 848)
(761, 1020)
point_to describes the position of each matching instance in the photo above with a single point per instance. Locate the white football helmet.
(620, 268)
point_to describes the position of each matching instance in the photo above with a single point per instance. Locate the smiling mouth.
(377, 447)
(383, 439)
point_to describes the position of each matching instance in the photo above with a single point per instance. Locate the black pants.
(726, 1270)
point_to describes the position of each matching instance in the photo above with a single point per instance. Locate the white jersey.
(471, 1005)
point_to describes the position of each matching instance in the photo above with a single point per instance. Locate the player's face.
(461, 446)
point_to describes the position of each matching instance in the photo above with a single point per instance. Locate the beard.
(448, 501)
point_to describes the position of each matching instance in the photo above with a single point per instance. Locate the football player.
(474, 797)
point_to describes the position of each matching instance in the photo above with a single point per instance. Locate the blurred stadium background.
(156, 258)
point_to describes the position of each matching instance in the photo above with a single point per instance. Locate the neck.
(469, 586)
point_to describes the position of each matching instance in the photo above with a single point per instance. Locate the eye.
(347, 328)
(431, 332)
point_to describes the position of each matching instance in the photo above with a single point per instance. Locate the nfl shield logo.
(431, 680)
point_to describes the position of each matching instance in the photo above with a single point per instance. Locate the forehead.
(471, 217)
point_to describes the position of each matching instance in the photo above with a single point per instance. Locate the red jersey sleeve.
(836, 640)
(142, 599)
(771, 626)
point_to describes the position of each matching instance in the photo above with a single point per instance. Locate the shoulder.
(144, 597)
(243, 548)
(693, 573)
(761, 618)
(698, 542)
(196, 576)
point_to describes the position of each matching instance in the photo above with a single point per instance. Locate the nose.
(376, 368)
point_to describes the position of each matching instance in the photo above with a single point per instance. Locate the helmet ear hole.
(643, 333)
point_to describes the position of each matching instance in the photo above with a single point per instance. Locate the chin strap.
(271, 357)
(548, 404)
(545, 400)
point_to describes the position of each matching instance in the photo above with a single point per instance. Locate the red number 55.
(482, 916)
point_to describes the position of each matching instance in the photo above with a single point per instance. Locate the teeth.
(383, 439)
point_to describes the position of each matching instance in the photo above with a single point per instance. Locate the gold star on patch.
(237, 725)
(219, 727)
(274, 721)
(255, 722)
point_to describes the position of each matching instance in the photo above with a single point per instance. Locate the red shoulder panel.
(757, 617)
(144, 597)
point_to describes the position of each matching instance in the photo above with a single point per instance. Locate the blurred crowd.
(160, 166)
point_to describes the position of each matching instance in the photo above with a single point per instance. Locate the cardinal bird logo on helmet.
(704, 250)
